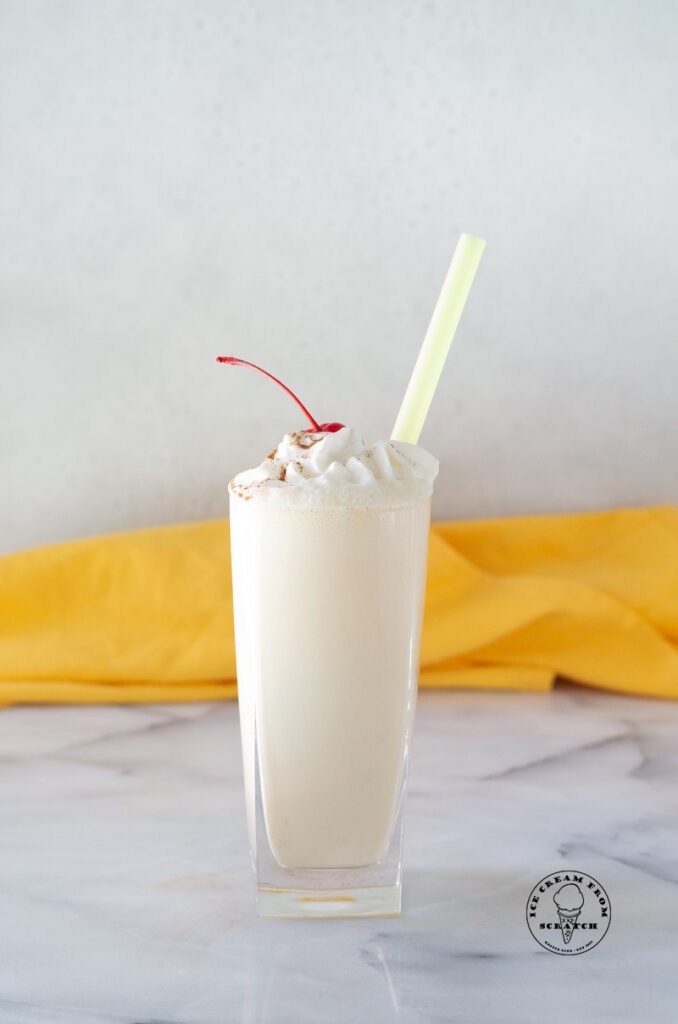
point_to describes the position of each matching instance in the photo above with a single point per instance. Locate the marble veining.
(126, 895)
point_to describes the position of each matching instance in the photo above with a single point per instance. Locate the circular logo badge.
(568, 912)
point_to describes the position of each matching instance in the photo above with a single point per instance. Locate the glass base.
(365, 901)
(370, 890)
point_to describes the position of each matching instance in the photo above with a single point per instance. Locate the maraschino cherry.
(316, 427)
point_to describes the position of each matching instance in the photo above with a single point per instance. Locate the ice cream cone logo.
(569, 900)
(568, 912)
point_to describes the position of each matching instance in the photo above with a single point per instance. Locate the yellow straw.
(441, 331)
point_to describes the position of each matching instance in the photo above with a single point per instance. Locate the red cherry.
(331, 428)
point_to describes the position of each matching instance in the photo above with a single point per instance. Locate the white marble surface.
(126, 895)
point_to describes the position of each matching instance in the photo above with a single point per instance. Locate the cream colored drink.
(329, 542)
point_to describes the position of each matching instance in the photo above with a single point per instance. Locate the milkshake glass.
(329, 543)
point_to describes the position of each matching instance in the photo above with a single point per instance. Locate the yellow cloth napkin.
(511, 603)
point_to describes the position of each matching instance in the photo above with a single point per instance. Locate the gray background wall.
(286, 181)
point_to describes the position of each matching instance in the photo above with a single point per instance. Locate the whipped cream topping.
(338, 469)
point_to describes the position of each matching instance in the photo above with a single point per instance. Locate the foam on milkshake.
(338, 469)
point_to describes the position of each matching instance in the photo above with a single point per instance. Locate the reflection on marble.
(126, 895)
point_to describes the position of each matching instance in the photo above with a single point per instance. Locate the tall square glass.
(328, 608)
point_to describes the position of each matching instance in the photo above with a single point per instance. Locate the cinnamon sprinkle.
(303, 439)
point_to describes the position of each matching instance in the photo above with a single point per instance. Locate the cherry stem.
(232, 361)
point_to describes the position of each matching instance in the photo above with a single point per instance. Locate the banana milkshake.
(329, 543)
